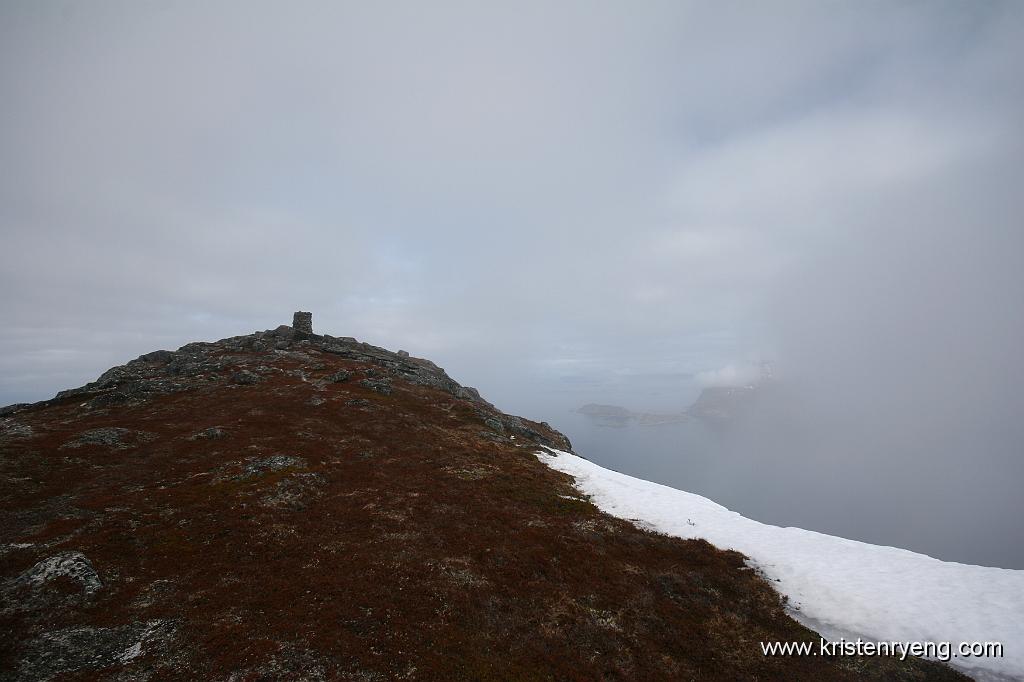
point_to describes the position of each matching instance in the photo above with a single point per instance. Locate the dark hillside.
(292, 506)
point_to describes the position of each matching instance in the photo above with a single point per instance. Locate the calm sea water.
(824, 481)
(693, 455)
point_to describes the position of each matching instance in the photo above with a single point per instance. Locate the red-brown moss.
(430, 550)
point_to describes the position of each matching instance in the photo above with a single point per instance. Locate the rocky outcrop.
(73, 566)
(113, 437)
(212, 433)
(79, 649)
(244, 361)
(11, 429)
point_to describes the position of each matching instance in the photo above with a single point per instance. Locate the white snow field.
(838, 587)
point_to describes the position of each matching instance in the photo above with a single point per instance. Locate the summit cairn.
(302, 322)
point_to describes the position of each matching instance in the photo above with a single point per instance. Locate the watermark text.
(941, 651)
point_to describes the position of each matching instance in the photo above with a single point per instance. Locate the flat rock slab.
(113, 437)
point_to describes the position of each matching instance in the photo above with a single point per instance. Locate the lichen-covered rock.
(8, 410)
(114, 437)
(377, 385)
(245, 378)
(258, 467)
(157, 356)
(91, 648)
(72, 565)
(212, 433)
(14, 430)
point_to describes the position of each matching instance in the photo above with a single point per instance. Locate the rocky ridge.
(202, 364)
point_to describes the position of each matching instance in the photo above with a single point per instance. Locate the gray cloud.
(560, 204)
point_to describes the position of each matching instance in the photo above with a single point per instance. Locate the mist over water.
(896, 415)
(849, 484)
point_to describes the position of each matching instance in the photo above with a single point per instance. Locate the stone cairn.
(302, 322)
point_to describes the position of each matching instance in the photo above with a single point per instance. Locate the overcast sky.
(558, 202)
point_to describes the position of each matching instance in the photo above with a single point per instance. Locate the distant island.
(614, 415)
(722, 403)
(716, 403)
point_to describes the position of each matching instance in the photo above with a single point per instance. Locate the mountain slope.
(288, 505)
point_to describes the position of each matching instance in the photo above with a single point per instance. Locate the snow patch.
(836, 586)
